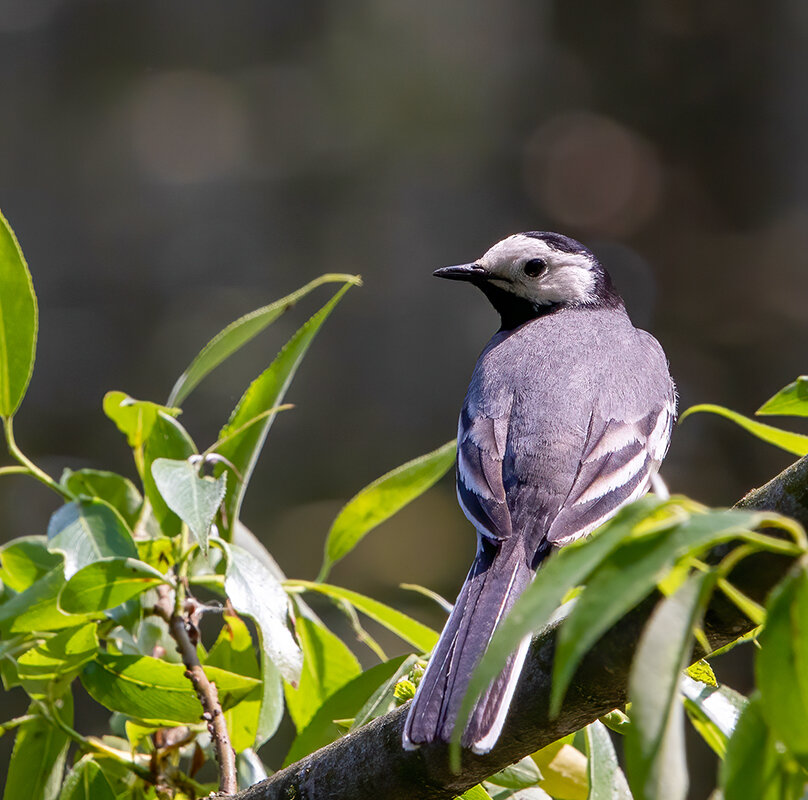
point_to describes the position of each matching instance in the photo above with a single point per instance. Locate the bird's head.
(530, 274)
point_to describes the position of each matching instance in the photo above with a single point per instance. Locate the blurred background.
(170, 166)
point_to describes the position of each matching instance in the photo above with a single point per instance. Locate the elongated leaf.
(38, 759)
(344, 703)
(755, 767)
(476, 793)
(327, 666)
(713, 710)
(786, 440)
(134, 418)
(25, 560)
(116, 490)
(606, 779)
(384, 698)
(18, 322)
(233, 651)
(564, 770)
(107, 583)
(151, 689)
(86, 530)
(47, 669)
(655, 746)
(792, 400)
(36, 608)
(272, 701)
(629, 575)
(168, 439)
(194, 498)
(254, 591)
(238, 333)
(264, 393)
(782, 663)
(520, 775)
(383, 498)
(410, 630)
(87, 781)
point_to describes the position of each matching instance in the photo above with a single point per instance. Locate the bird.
(567, 418)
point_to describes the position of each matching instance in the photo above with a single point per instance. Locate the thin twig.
(183, 631)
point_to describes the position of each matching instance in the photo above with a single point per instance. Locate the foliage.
(115, 588)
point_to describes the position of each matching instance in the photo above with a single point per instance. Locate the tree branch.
(372, 761)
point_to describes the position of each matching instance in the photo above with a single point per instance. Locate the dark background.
(168, 166)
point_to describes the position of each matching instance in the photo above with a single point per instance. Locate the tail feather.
(497, 577)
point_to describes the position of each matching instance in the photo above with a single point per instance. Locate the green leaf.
(713, 710)
(18, 322)
(25, 560)
(344, 703)
(606, 779)
(655, 746)
(756, 767)
(327, 666)
(38, 759)
(238, 333)
(417, 634)
(794, 443)
(702, 671)
(383, 498)
(168, 439)
(194, 498)
(272, 705)
(86, 530)
(255, 592)
(134, 418)
(265, 392)
(47, 669)
(790, 401)
(628, 575)
(116, 490)
(781, 666)
(234, 652)
(520, 775)
(107, 583)
(86, 781)
(476, 793)
(151, 689)
(36, 608)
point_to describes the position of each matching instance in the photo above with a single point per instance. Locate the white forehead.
(518, 249)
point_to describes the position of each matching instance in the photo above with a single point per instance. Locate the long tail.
(497, 577)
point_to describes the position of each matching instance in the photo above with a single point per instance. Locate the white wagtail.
(567, 418)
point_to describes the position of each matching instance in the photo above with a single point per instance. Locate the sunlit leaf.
(45, 670)
(25, 560)
(194, 498)
(794, 443)
(265, 392)
(606, 779)
(327, 666)
(18, 322)
(789, 401)
(152, 689)
(134, 418)
(87, 781)
(38, 760)
(781, 666)
(655, 746)
(412, 631)
(238, 333)
(713, 710)
(254, 591)
(86, 530)
(107, 583)
(475, 793)
(381, 499)
(564, 770)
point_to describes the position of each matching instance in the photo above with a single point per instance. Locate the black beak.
(462, 272)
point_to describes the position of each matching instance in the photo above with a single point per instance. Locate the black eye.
(535, 267)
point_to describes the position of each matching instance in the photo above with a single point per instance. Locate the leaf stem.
(28, 466)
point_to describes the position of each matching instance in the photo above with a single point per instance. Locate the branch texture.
(370, 762)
